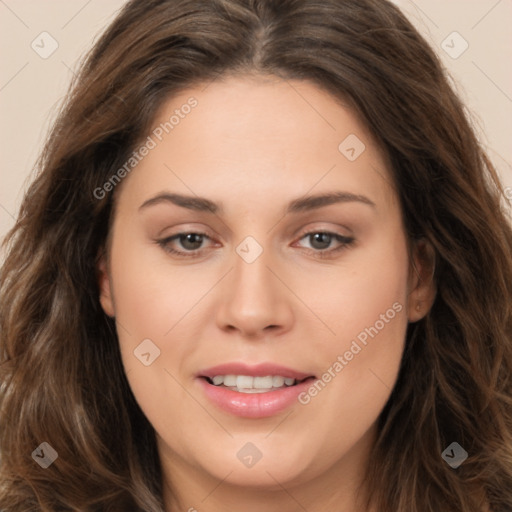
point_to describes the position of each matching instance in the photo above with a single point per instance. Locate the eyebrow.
(301, 204)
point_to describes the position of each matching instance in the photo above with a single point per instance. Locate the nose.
(254, 301)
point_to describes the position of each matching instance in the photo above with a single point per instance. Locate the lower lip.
(254, 405)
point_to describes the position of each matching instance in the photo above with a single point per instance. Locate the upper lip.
(257, 370)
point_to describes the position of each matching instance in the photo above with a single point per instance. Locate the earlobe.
(104, 285)
(422, 287)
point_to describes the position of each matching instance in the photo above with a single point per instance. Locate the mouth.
(253, 391)
(251, 384)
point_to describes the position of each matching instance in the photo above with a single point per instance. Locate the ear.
(422, 287)
(105, 284)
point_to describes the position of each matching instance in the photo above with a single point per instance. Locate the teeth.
(277, 381)
(243, 381)
(218, 379)
(262, 382)
(248, 384)
(229, 380)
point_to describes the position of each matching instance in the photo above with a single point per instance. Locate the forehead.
(255, 137)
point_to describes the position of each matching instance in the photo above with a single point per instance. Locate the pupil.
(191, 241)
(321, 239)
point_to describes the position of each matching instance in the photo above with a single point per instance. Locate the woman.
(265, 266)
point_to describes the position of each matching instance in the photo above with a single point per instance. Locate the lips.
(253, 402)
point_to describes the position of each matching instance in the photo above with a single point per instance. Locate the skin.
(254, 144)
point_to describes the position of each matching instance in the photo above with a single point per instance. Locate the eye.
(191, 242)
(321, 241)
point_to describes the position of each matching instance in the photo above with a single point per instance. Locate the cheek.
(356, 381)
(360, 365)
(151, 294)
(152, 300)
(368, 294)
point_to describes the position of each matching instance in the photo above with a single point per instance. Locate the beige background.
(31, 87)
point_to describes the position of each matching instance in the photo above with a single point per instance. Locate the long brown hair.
(61, 377)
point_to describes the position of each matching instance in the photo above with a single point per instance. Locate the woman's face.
(299, 269)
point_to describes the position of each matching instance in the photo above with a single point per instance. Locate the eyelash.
(343, 240)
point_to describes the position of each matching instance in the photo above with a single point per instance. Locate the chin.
(269, 472)
(270, 477)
